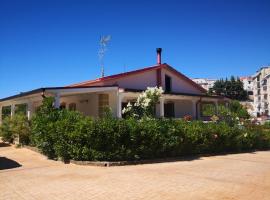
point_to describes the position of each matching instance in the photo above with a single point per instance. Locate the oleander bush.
(70, 135)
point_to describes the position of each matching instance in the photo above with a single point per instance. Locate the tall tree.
(232, 88)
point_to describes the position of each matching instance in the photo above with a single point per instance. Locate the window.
(103, 104)
(62, 105)
(168, 83)
(21, 109)
(169, 110)
(6, 111)
(72, 106)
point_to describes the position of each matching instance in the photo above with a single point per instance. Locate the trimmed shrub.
(43, 131)
(16, 127)
(5, 130)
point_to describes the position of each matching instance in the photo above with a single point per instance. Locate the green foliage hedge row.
(69, 135)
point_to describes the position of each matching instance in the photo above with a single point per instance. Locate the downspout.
(197, 103)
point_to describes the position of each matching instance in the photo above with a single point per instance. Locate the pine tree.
(232, 88)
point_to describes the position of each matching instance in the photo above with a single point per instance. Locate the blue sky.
(55, 43)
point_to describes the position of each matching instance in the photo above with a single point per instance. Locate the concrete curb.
(134, 162)
(138, 162)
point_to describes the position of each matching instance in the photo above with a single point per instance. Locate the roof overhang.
(184, 94)
(61, 91)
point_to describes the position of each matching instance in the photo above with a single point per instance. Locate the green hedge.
(69, 135)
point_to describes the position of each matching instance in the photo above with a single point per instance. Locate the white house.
(206, 83)
(182, 96)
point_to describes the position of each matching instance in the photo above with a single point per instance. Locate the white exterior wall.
(88, 103)
(138, 81)
(182, 108)
(178, 84)
(146, 79)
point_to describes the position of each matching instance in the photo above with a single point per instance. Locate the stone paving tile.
(235, 176)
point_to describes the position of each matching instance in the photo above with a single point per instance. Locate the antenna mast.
(102, 49)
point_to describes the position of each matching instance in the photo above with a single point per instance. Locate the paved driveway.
(32, 176)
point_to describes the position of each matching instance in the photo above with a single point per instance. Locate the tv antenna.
(103, 43)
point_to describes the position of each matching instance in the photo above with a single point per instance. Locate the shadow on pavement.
(6, 163)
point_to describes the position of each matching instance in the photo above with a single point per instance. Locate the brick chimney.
(159, 50)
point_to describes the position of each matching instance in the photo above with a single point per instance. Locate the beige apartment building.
(261, 91)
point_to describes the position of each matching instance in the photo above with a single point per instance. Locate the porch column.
(12, 110)
(29, 110)
(119, 105)
(161, 108)
(57, 100)
(194, 109)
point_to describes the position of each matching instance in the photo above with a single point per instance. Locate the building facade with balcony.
(248, 86)
(261, 91)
